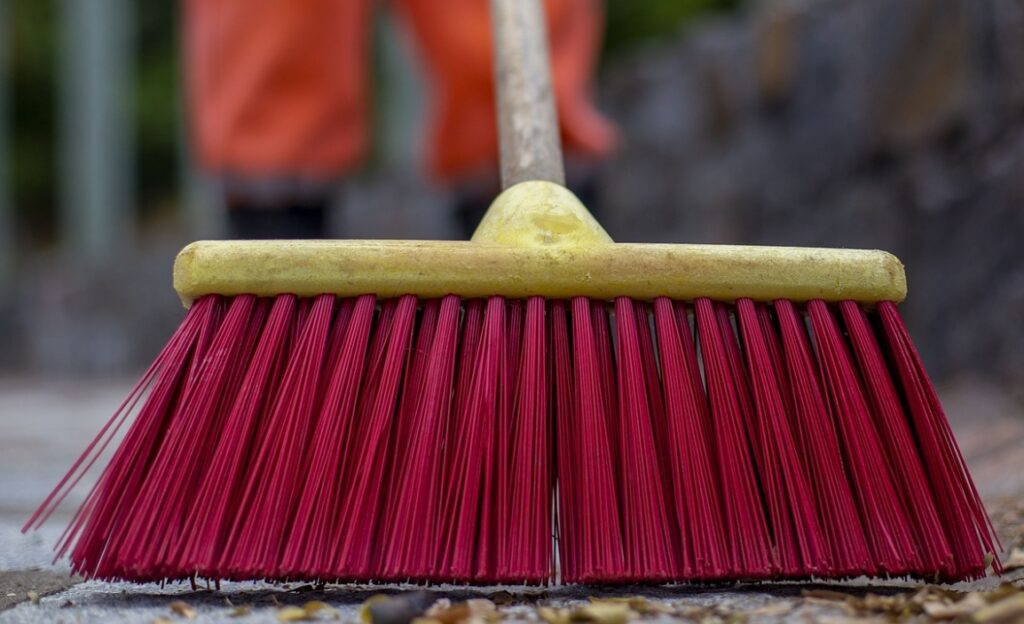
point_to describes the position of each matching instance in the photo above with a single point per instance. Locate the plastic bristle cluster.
(506, 441)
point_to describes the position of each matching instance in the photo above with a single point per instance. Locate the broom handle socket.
(527, 119)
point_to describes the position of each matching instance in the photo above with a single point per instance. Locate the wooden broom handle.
(527, 120)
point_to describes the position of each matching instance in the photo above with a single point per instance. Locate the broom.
(431, 411)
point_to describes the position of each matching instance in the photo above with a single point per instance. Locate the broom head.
(537, 405)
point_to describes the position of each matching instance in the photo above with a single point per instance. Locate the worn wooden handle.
(527, 119)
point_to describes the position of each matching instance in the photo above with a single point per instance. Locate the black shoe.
(293, 221)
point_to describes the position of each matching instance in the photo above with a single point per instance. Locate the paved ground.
(43, 425)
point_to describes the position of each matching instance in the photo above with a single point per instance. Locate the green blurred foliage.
(34, 54)
(33, 60)
(633, 23)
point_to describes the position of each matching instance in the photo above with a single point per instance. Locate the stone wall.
(858, 123)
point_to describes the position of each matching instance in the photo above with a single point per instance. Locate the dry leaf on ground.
(240, 611)
(292, 614)
(306, 612)
(182, 608)
(602, 612)
(1015, 561)
(939, 610)
(551, 615)
(1007, 610)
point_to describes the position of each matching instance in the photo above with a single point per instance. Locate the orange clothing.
(279, 87)
(454, 38)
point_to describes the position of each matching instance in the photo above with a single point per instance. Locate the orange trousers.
(279, 88)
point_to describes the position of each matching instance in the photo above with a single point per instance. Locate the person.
(277, 94)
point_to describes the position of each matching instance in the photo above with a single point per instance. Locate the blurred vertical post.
(6, 195)
(96, 129)
(204, 207)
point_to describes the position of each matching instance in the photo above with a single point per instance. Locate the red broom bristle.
(968, 528)
(797, 535)
(410, 549)
(750, 551)
(794, 516)
(405, 420)
(819, 446)
(469, 506)
(567, 522)
(645, 519)
(936, 555)
(208, 526)
(493, 540)
(659, 424)
(353, 546)
(527, 557)
(160, 511)
(588, 500)
(98, 526)
(600, 323)
(694, 485)
(886, 524)
(309, 544)
(267, 505)
(303, 438)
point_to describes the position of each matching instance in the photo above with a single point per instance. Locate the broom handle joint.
(527, 119)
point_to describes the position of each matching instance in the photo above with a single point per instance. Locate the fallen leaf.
(66, 604)
(603, 613)
(240, 611)
(162, 620)
(292, 614)
(313, 607)
(1015, 561)
(938, 610)
(449, 614)
(182, 608)
(364, 610)
(1007, 610)
(440, 605)
(552, 615)
(33, 597)
(482, 608)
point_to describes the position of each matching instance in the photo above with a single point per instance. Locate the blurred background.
(861, 123)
